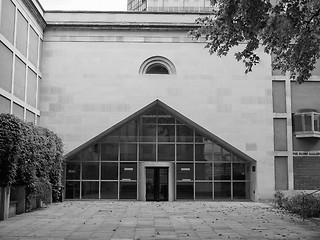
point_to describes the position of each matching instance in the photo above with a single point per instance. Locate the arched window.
(157, 65)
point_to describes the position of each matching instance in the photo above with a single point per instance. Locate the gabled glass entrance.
(203, 166)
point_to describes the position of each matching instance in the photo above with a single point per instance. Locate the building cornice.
(35, 12)
(122, 26)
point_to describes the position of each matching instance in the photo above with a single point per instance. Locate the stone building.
(146, 113)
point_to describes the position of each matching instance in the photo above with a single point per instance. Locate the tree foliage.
(287, 29)
(29, 155)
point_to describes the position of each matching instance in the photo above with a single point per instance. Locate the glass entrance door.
(157, 184)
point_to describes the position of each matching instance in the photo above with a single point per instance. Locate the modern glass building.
(169, 5)
(158, 154)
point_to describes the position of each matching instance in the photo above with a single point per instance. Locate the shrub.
(305, 205)
(30, 156)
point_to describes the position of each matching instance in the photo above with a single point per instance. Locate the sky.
(90, 5)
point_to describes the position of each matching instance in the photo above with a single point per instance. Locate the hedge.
(29, 155)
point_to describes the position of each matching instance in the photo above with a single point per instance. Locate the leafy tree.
(287, 29)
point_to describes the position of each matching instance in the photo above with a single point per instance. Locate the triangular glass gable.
(106, 166)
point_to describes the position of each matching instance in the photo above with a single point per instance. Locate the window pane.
(109, 171)
(22, 34)
(240, 171)
(316, 122)
(33, 47)
(203, 171)
(204, 190)
(185, 152)
(129, 132)
(109, 151)
(147, 152)
(4, 105)
(90, 170)
(185, 190)
(184, 134)
(19, 79)
(204, 152)
(7, 19)
(297, 126)
(18, 111)
(90, 190)
(184, 171)
(30, 116)
(128, 190)
(165, 119)
(128, 171)
(72, 190)
(76, 157)
(166, 133)
(128, 152)
(166, 152)
(5, 67)
(32, 88)
(73, 171)
(148, 133)
(91, 153)
(109, 190)
(241, 190)
(222, 190)
(307, 123)
(221, 154)
(222, 171)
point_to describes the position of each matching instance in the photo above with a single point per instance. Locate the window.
(306, 124)
(157, 65)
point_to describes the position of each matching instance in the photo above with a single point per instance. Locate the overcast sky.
(92, 5)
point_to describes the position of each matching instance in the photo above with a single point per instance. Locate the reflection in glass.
(203, 190)
(90, 170)
(241, 190)
(128, 152)
(222, 171)
(240, 171)
(166, 133)
(185, 171)
(166, 152)
(222, 190)
(72, 190)
(184, 133)
(185, 152)
(73, 171)
(109, 152)
(109, 190)
(166, 119)
(147, 152)
(204, 152)
(148, 133)
(90, 190)
(184, 190)
(128, 171)
(129, 132)
(221, 154)
(203, 171)
(91, 153)
(109, 171)
(128, 190)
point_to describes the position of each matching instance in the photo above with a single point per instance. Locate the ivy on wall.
(30, 155)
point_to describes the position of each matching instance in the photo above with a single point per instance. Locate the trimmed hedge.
(29, 155)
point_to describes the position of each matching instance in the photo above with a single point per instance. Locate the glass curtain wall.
(204, 170)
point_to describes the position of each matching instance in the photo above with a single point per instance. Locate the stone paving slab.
(124, 220)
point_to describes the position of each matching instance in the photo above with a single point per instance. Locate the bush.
(305, 205)
(30, 156)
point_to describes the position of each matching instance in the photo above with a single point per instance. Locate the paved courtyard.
(153, 220)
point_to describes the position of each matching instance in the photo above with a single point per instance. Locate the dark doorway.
(156, 184)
